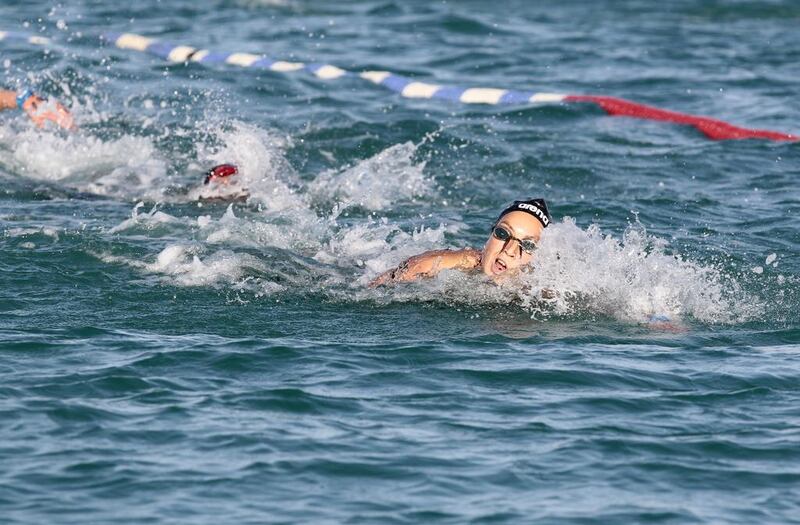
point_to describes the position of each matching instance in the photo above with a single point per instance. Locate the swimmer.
(221, 174)
(510, 247)
(39, 110)
(221, 183)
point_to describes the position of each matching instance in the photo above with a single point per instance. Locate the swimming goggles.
(526, 245)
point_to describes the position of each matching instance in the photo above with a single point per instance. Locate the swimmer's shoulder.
(461, 259)
(430, 263)
(470, 258)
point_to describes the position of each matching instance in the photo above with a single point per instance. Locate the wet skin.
(497, 260)
(501, 257)
(56, 113)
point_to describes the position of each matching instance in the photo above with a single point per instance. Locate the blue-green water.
(176, 362)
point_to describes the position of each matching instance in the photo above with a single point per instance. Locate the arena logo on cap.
(536, 211)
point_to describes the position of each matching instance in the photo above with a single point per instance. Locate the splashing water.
(265, 177)
(576, 272)
(378, 182)
(629, 279)
(127, 168)
(584, 272)
(278, 214)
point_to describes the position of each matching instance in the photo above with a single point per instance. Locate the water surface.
(169, 361)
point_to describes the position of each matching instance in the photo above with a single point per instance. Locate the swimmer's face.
(506, 257)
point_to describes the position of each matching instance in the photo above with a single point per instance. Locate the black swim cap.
(535, 207)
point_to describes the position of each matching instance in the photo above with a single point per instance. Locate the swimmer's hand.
(429, 264)
(664, 323)
(41, 111)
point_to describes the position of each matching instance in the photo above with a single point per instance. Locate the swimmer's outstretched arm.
(428, 264)
(30, 103)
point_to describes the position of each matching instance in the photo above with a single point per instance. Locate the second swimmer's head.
(220, 173)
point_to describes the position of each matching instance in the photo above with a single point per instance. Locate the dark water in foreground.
(169, 362)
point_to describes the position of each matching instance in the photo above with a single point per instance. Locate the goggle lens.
(501, 234)
(527, 246)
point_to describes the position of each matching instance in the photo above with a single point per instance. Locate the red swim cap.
(220, 172)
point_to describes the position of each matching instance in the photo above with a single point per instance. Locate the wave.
(328, 237)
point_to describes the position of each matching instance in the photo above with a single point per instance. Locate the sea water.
(166, 358)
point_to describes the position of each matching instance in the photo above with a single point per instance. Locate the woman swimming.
(39, 110)
(515, 235)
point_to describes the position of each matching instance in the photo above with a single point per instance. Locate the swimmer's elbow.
(383, 279)
(409, 270)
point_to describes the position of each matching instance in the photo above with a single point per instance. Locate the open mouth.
(498, 266)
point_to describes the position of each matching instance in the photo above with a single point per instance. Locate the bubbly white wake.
(378, 182)
(584, 272)
(631, 279)
(291, 234)
(192, 265)
(265, 177)
(299, 225)
(127, 167)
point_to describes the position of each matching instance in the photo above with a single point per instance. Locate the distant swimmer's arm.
(37, 108)
(8, 99)
(429, 264)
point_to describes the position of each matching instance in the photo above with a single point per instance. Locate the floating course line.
(409, 88)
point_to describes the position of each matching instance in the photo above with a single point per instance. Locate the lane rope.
(409, 88)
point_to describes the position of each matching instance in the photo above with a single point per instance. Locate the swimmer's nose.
(511, 248)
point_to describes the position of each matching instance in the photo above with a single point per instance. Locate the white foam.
(185, 265)
(584, 272)
(264, 174)
(24, 232)
(575, 272)
(147, 221)
(376, 183)
(125, 167)
(296, 230)
(630, 279)
(378, 246)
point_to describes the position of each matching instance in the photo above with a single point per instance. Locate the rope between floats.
(409, 88)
